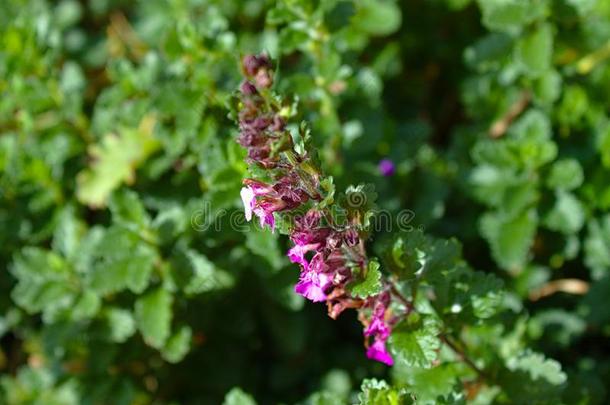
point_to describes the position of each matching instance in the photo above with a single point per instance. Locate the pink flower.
(265, 218)
(312, 286)
(379, 328)
(264, 207)
(378, 325)
(314, 280)
(297, 253)
(377, 351)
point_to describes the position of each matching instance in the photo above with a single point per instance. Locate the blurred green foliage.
(116, 150)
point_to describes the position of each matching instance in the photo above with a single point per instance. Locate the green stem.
(461, 353)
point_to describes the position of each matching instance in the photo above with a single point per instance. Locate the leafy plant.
(450, 135)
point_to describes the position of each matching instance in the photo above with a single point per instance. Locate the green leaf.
(68, 232)
(597, 244)
(573, 107)
(510, 15)
(583, 6)
(407, 255)
(370, 284)
(178, 345)
(538, 367)
(238, 397)
(380, 17)
(509, 238)
(535, 50)
(154, 316)
(325, 398)
(415, 341)
(114, 162)
(427, 383)
(127, 210)
(38, 386)
(562, 327)
(123, 260)
(265, 244)
(603, 145)
(86, 306)
(567, 215)
(533, 130)
(120, 323)
(441, 258)
(378, 392)
(196, 274)
(45, 282)
(566, 174)
(547, 87)
(485, 295)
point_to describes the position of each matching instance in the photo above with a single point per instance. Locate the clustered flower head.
(330, 257)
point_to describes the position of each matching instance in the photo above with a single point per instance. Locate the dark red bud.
(248, 89)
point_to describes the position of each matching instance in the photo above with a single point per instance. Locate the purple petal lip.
(377, 351)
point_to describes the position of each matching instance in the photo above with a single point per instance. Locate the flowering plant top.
(331, 254)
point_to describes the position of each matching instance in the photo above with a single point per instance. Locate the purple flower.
(378, 326)
(295, 181)
(314, 280)
(265, 218)
(378, 351)
(386, 167)
(258, 67)
(296, 254)
(262, 207)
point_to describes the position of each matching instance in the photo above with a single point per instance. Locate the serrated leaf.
(509, 238)
(416, 343)
(378, 392)
(538, 367)
(427, 384)
(485, 294)
(178, 345)
(45, 282)
(562, 326)
(370, 284)
(115, 159)
(154, 315)
(123, 260)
